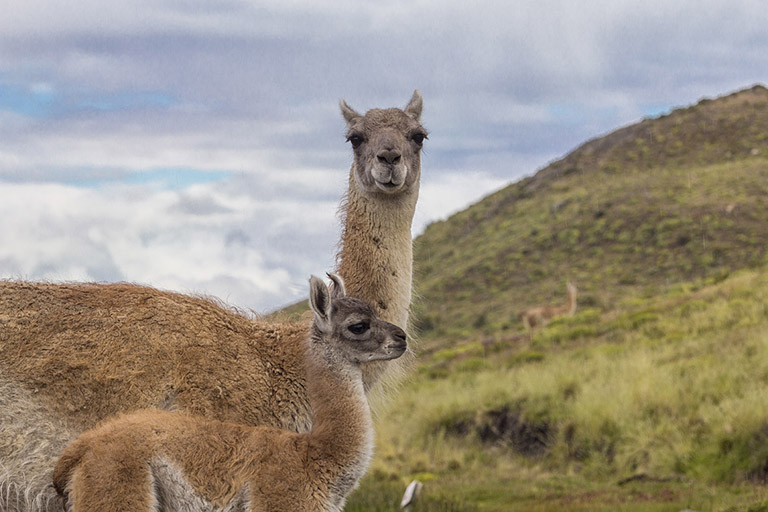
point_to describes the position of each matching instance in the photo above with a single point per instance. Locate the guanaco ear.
(348, 112)
(320, 302)
(337, 289)
(415, 105)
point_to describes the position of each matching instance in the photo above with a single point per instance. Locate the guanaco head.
(387, 145)
(352, 327)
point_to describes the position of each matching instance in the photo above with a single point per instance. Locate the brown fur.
(118, 465)
(539, 316)
(78, 353)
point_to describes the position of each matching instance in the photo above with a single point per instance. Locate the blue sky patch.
(28, 101)
(173, 178)
(43, 100)
(655, 110)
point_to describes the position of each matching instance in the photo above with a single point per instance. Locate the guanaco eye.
(359, 328)
(355, 140)
(418, 138)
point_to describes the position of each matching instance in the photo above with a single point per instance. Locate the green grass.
(672, 387)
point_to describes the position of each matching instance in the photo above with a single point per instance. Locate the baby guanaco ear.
(338, 290)
(320, 302)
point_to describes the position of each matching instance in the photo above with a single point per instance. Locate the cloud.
(209, 238)
(198, 146)
(440, 199)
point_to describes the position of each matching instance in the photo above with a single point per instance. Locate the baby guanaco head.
(352, 327)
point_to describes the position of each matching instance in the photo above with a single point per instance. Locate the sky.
(197, 145)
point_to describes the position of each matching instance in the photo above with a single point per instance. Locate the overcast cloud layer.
(197, 145)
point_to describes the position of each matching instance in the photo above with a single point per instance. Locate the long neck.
(341, 439)
(376, 260)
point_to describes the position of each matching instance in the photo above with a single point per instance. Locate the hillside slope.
(652, 396)
(657, 405)
(675, 198)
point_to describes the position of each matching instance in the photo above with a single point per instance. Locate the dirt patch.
(506, 426)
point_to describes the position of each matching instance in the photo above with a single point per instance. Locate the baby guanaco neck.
(342, 427)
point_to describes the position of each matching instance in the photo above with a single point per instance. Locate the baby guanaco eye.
(359, 328)
(418, 138)
(355, 140)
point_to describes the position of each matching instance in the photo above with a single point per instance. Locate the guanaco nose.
(388, 156)
(399, 335)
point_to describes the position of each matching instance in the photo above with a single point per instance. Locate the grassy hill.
(657, 404)
(681, 197)
(651, 397)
